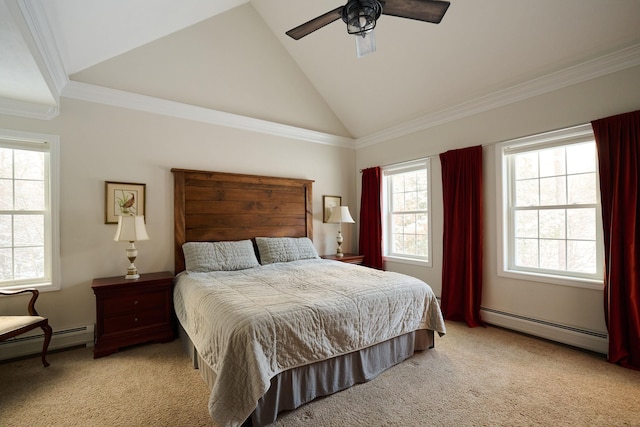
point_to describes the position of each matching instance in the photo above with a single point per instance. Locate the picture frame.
(123, 198)
(328, 203)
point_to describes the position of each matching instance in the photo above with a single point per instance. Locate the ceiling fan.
(361, 16)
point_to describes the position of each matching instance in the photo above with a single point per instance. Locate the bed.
(269, 324)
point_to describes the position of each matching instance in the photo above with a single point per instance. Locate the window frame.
(505, 223)
(418, 164)
(50, 145)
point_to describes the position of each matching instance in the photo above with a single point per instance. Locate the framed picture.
(328, 203)
(123, 198)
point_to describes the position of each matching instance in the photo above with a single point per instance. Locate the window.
(28, 214)
(406, 221)
(552, 226)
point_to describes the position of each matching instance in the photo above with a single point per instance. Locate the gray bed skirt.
(295, 387)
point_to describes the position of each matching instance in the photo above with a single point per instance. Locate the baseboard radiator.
(581, 338)
(31, 344)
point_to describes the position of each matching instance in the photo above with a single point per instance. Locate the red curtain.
(463, 235)
(371, 217)
(618, 144)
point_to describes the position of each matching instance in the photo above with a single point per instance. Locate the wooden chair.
(11, 326)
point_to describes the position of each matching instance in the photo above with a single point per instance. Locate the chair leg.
(47, 338)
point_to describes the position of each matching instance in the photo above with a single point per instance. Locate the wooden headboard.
(215, 206)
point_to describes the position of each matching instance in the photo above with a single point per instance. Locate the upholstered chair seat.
(11, 326)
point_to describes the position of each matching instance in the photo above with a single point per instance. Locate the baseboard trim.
(31, 344)
(581, 338)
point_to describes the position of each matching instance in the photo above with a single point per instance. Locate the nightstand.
(133, 311)
(348, 258)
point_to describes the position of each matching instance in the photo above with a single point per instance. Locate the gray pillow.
(219, 256)
(285, 249)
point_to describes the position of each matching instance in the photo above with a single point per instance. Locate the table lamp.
(131, 229)
(340, 214)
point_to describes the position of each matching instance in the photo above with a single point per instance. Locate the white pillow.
(219, 256)
(285, 249)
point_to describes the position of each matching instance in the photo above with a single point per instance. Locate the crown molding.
(30, 110)
(34, 27)
(32, 19)
(607, 64)
(132, 101)
(49, 59)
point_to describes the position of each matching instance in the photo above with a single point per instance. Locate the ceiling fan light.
(361, 15)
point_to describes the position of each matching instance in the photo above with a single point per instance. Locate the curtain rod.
(428, 156)
(399, 163)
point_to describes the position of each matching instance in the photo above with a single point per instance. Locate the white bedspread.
(250, 325)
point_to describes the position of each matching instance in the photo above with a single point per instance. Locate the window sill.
(554, 280)
(411, 261)
(42, 287)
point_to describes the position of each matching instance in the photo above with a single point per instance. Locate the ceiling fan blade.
(315, 24)
(421, 10)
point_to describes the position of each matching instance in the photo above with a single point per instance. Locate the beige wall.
(100, 143)
(602, 97)
(247, 73)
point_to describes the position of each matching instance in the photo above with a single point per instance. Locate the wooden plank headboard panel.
(214, 206)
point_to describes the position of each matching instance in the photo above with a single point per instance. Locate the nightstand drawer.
(134, 320)
(133, 311)
(133, 303)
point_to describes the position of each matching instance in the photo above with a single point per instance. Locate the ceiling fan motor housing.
(361, 15)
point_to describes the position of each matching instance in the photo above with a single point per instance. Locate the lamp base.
(340, 240)
(132, 272)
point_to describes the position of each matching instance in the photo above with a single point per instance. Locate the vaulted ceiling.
(483, 54)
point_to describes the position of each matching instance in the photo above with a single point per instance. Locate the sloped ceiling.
(483, 54)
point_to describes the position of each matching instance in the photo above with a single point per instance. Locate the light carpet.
(474, 377)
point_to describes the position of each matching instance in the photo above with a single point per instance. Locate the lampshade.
(365, 45)
(131, 229)
(340, 214)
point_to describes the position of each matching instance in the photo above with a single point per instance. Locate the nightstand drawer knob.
(135, 302)
(135, 320)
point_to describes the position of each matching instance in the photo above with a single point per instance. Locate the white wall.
(578, 104)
